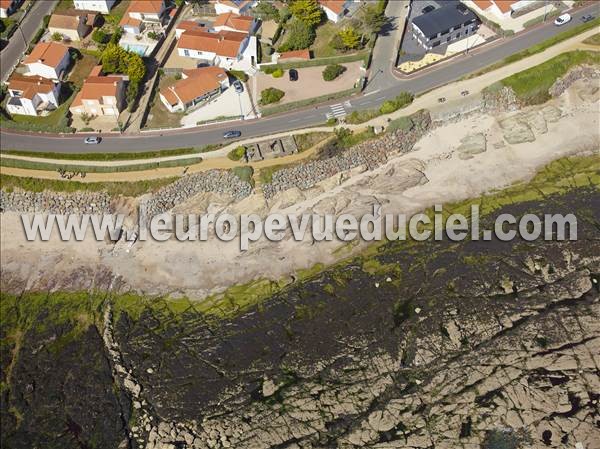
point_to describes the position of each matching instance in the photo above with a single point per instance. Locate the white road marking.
(371, 93)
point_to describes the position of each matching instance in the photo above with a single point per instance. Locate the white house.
(226, 49)
(7, 7)
(102, 6)
(197, 87)
(100, 95)
(142, 18)
(335, 9)
(146, 10)
(238, 7)
(31, 95)
(48, 59)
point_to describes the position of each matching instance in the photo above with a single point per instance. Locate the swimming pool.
(136, 48)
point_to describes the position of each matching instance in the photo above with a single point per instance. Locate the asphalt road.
(16, 47)
(451, 71)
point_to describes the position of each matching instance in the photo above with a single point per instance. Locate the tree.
(332, 71)
(100, 37)
(307, 11)
(350, 37)
(300, 36)
(271, 95)
(373, 18)
(266, 11)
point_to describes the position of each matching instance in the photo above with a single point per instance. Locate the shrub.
(300, 37)
(332, 71)
(154, 35)
(56, 37)
(277, 73)
(237, 153)
(238, 74)
(100, 37)
(271, 95)
(402, 100)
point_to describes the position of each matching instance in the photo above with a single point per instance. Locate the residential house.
(73, 25)
(335, 9)
(30, 95)
(188, 25)
(227, 49)
(100, 95)
(48, 59)
(233, 22)
(238, 7)
(7, 7)
(444, 25)
(142, 18)
(102, 6)
(502, 9)
(197, 87)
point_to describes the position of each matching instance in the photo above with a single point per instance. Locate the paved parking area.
(310, 82)
(228, 104)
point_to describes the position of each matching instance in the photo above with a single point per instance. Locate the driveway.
(228, 104)
(310, 82)
(385, 51)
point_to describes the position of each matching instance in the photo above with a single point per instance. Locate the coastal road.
(16, 47)
(311, 116)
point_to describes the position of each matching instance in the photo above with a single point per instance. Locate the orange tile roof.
(483, 4)
(337, 6)
(96, 71)
(30, 85)
(231, 20)
(296, 54)
(504, 5)
(127, 20)
(146, 6)
(96, 87)
(49, 53)
(224, 43)
(200, 82)
(65, 21)
(5, 4)
(239, 4)
(189, 25)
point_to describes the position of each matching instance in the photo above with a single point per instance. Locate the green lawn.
(82, 69)
(531, 86)
(6, 27)
(117, 12)
(64, 5)
(159, 116)
(321, 47)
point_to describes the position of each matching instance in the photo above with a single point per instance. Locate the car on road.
(562, 19)
(231, 134)
(293, 73)
(238, 86)
(587, 18)
(92, 140)
(427, 9)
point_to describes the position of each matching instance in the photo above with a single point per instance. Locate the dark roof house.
(442, 20)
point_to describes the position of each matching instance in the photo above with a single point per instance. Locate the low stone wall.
(371, 154)
(55, 202)
(575, 74)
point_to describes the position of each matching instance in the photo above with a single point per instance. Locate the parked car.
(293, 74)
(92, 140)
(427, 9)
(587, 18)
(231, 134)
(238, 86)
(562, 19)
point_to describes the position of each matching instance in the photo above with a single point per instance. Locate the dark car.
(293, 75)
(427, 9)
(587, 18)
(232, 134)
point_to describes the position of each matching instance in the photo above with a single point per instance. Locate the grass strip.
(113, 156)
(136, 188)
(308, 102)
(35, 165)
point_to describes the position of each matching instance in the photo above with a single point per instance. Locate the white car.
(562, 19)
